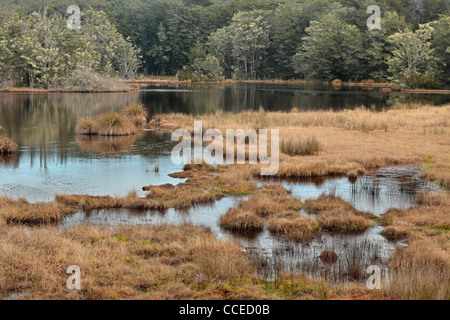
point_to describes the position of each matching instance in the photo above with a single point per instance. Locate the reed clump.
(239, 220)
(7, 146)
(396, 231)
(328, 257)
(86, 126)
(326, 202)
(309, 147)
(294, 227)
(343, 221)
(136, 113)
(114, 124)
(270, 200)
(335, 214)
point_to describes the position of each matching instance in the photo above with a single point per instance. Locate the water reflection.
(376, 192)
(207, 98)
(106, 144)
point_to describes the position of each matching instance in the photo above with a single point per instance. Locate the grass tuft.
(136, 113)
(114, 124)
(7, 146)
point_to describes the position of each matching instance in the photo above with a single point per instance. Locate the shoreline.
(384, 86)
(136, 84)
(32, 90)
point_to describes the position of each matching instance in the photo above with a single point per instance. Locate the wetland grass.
(7, 146)
(136, 113)
(21, 211)
(309, 147)
(114, 124)
(294, 227)
(86, 126)
(239, 220)
(88, 203)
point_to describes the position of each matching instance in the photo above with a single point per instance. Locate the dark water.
(199, 99)
(53, 159)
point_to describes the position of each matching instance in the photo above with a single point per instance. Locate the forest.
(212, 40)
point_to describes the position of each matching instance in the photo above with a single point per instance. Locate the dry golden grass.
(298, 228)
(429, 217)
(7, 146)
(398, 230)
(205, 184)
(421, 271)
(343, 221)
(135, 262)
(86, 126)
(114, 124)
(164, 262)
(89, 203)
(353, 141)
(326, 202)
(239, 220)
(22, 212)
(270, 200)
(136, 113)
(335, 214)
(281, 214)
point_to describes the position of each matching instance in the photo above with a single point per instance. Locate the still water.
(198, 99)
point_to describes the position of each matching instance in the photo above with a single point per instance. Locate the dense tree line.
(261, 39)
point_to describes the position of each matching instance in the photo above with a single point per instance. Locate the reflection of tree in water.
(45, 123)
(433, 99)
(9, 159)
(236, 97)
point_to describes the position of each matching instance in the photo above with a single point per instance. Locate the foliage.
(332, 49)
(42, 52)
(412, 61)
(251, 39)
(202, 69)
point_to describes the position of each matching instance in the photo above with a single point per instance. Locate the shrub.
(86, 79)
